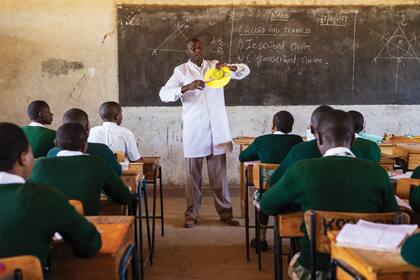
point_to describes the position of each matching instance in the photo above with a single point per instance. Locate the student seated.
(416, 173)
(410, 250)
(338, 181)
(76, 115)
(305, 150)
(367, 148)
(40, 137)
(78, 175)
(110, 133)
(32, 213)
(272, 148)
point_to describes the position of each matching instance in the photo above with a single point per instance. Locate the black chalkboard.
(297, 55)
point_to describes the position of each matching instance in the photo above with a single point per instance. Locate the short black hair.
(318, 113)
(76, 115)
(358, 120)
(283, 121)
(13, 143)
(109, 110)
(336, 126)
(35, 107)
(192, 40)
(71, 136)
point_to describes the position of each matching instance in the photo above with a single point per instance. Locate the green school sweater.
(82, 178)
(31, 214)
(410, 250)
(304, 150)
(416, 173)
(414, 199)
(270, 148)
(369, 150)
(332, 183)
(99, 150)
(40, 138)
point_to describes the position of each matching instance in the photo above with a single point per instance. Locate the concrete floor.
(210, 250)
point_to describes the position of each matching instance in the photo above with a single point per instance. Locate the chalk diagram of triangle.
(170, 43)
(398, 46)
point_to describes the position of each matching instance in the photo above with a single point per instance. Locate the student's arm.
(73, 227)
(415, 199)
(356, 152)
(111, 160)
(171, 92)
(416, 173)
(279, 197)
(388, 197)
(377, 153)
(284, 165)
(114, 186)
(131, 147)
(250, 153)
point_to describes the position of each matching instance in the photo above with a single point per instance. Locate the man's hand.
(197, 84)
(222, 64)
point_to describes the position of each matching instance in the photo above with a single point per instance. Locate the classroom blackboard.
(297, 55)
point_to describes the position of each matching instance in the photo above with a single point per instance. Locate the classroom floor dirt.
(210, 250)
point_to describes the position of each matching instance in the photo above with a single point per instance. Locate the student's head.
(195, 50)
(15, 152)
(39, 111)
(335, 129)
(283, 121)
(317, 114)
(358, 121)
(72, 137)
(111, 112)
(75, 115)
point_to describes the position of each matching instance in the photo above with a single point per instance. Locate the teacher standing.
(206, 132)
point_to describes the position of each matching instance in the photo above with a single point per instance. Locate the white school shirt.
(9, 178)
(67, 153)
(204, 118)
(339, 151)
(117, 138)
(36, 124)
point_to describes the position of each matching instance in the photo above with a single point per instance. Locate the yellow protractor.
(217, 78)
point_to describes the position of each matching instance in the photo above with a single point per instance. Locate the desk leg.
(242, 188)
(162, 223)
(146, 210)
(140, 225)
(246, 217)
(278, 251)
(153, 215)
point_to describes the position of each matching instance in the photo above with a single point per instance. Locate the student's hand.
(197, 84)
(222, 64)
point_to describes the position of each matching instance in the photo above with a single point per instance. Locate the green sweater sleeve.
(388, 197)
(416, 173)
(115, 188)
(74, 228)
(277, 199)
(250, 153)
(415, 199)
(284, 165)
(112, 161)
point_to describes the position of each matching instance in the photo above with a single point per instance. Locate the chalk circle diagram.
(398, 47)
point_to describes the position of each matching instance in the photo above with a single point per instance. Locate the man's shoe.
(263, 244)
(230, 221)
(189, 222)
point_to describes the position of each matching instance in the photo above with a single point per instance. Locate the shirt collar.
(9, 178)
(67, 153)
(109, 124)
(36, 124)
(195, 65)
(278, 132)
(339, 151)
(356, 135)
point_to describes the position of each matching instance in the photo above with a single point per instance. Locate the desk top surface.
(150, 160)
(372, 261)
(113, 230)
(243, 140)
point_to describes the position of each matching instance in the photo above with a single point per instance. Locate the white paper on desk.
(406, 175)
(402, 203)
(374, 236)
(57, 236)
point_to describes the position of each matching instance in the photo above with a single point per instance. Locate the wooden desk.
(243, 142)
(117, 233)
(150, 164)
(132, 175)
(403, 147)
(375, 265)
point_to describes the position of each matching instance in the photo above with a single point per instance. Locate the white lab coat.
(205, 123)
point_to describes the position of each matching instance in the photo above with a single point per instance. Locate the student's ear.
(319, 139)
(26, 161)
(273, 128)
(312, 129)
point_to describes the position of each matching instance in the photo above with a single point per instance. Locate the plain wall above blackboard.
(298, 55)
